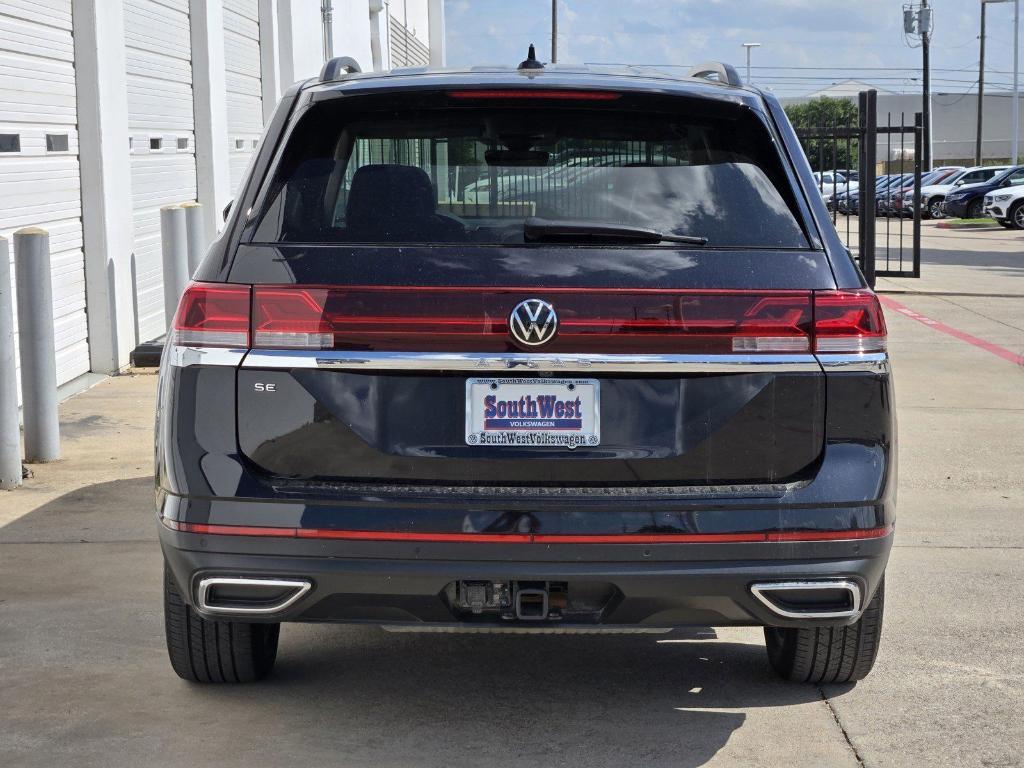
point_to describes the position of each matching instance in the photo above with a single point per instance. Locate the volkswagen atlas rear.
(573, 352)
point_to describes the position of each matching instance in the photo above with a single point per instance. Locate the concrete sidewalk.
(84, 678)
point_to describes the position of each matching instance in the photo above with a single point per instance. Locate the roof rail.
(724, 73)
(338, 66)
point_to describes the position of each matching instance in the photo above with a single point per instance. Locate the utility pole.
(925, 25)
(1016, 80)
(978, 147)
(750, 47)
(554, 31)
(981, 88)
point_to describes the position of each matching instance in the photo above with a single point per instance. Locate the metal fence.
(871, 211)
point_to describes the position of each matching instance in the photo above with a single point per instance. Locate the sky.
(805, 44)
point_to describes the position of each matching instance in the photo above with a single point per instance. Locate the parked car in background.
(829, 182)
(896, 181)
(1006, 206)
(901, 201)
(849, 203)
(968, 202)
(934, 195)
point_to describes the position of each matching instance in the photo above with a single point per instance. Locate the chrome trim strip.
(866, 362)
(301, 587)
(759, 590)
(183, 357)
(525, 361)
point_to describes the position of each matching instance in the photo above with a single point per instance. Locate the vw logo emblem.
(533, 322)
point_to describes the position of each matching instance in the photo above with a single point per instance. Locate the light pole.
(749, 47)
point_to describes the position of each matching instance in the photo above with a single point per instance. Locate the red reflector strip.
(564, 95)
(531, 538)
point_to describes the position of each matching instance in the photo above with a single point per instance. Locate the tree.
(824, 115)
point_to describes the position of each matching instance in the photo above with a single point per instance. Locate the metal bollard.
(36, 346)
(174, 243)
(194, 233)
(10, 430)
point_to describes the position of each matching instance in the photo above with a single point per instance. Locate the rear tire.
(828, 654)
(205, 651)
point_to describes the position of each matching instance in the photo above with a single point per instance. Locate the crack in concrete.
(842, 729)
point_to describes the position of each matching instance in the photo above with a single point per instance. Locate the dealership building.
(112, 109)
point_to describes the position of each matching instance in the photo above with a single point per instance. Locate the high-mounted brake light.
(848, 321)
(538, 94)
(212, 315)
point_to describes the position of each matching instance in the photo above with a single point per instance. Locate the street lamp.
(750, 46)
(1015, 142)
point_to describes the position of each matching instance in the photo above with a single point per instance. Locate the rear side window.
(478, 174)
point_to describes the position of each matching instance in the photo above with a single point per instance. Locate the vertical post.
(554, 31)
(327, 17)
(925, 24)
(1016, 81)
(174, 244)
(10, 432)
(105, 169)
(36, 347)
(213, 170)
(916, 237)
(981, 89)
(195, 241)
(270, 65)
(435, 27)
(869, 148)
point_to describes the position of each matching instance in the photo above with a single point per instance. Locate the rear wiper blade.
(536, 228)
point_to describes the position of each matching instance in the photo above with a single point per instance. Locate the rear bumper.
(407, 583)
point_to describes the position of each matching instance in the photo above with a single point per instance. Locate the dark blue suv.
(644, 387)
(968, 202)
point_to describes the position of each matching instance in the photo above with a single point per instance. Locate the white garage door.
(242, 76)
(39, 179)
(158, 53)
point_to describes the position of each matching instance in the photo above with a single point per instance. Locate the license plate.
(533, 412)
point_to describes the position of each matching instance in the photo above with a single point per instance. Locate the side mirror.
(227, 210)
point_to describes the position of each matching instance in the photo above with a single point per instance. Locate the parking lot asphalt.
(84, 678)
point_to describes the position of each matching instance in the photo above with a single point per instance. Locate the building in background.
(954, 122)
(111, 109)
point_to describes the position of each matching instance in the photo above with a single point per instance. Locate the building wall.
(954, 123)
(159, 102)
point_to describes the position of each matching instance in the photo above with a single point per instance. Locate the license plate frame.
(529, 431)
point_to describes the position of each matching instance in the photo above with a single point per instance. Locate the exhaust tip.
(247, 596)
(816, 599)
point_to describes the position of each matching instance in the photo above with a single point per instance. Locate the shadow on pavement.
(339, 692)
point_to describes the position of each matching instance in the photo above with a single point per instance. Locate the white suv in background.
(1006, 206)
(934, 195)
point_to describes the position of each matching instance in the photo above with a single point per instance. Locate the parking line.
(988, 346)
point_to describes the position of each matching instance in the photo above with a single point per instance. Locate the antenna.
(530, 62)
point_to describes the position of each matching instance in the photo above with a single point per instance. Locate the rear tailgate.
(695, 385)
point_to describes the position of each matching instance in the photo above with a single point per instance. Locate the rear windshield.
(483, 174)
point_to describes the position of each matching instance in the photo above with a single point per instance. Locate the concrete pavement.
(84, 678)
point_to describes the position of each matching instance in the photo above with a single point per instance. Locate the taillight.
(848, 321)
(471, 319)
(212, 315)
(465, 319)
